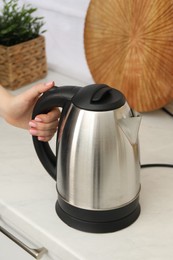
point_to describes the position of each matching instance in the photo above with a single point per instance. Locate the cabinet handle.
(36, 253)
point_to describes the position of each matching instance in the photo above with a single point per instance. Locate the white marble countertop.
(28, 196)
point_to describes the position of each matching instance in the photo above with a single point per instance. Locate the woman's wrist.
(5, 102)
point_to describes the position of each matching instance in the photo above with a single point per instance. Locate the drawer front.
(11, 245)
(9, 250)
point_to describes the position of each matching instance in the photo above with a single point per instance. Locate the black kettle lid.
(98, 97)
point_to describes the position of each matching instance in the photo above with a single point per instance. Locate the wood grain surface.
(129, 46)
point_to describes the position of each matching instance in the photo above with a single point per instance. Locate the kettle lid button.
(100, 93)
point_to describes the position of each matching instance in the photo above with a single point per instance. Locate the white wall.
(64, 37)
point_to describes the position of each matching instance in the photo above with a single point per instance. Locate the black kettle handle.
(55, 97)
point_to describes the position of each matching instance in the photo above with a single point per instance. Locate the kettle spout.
(130, 127)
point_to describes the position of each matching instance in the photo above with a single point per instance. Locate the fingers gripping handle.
(56, 97)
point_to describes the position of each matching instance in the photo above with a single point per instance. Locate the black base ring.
(98, 221)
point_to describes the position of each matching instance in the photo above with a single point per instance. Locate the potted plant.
(22, 47)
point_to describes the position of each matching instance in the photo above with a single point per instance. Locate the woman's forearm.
(5, 98)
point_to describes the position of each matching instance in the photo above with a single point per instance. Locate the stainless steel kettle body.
(97, 162)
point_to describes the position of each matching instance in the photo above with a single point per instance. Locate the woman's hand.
(45, 125)
(19, 112)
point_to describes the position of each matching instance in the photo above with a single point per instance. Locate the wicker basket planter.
(22, 63)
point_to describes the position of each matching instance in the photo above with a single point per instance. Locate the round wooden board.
(129, 46)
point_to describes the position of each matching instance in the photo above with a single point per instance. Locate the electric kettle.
(96, 166)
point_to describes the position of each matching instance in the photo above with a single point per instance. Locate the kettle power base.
(98, 221)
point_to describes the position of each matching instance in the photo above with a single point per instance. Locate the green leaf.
(17, 24)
